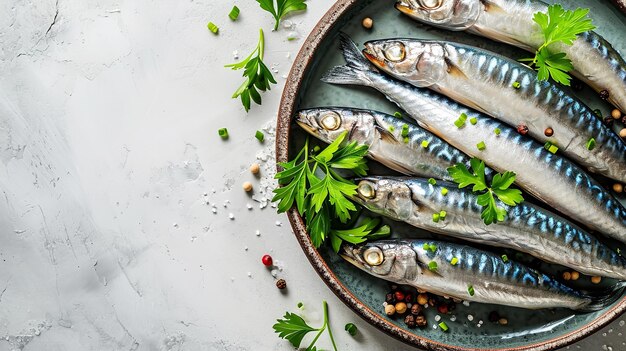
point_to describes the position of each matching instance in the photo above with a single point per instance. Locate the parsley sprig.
(293, 328)
(558, 25)
(500, 188)
(282, 8)
(324, 200)
(257, 75)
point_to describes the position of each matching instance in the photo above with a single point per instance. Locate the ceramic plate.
(526, 330)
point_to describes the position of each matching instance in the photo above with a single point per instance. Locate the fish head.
(328, 123)
(387, 196)
(449, 14)
(420, 62)
(387, 259)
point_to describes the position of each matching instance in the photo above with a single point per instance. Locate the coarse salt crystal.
(249, 206)
(214, 210)
(278, 223)
(453, 318)
(470, 317)
(231, 216)
(258, 232)
(437, 318)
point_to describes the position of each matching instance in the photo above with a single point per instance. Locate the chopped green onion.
(481, 146)
(470, 290)
(463, 116)
(598, 112)
(497, 131)
(259, 135)
(405, 130)
(406, 140)
(213, 28)
(444, 191)
(223, 132)
(443, 326)
(432, 247)
(591, 144)
(442, 214)
(351, 329)
(436, 217)
(391, 128)
(516, 85)
(316, 148)
(300, 305)
(292, 37)
(473, 121)
(234, 13)
(553, 148)
(432, 265)
(505, 258)
(397, 114)
(459, 123)
(426, 247)
(432, 181)
(454, 261)
(425, 143)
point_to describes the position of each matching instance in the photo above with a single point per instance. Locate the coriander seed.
(367, 23)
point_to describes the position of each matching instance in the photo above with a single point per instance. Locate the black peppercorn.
(494, 316)
(416, 309)
(281, 284)
(394, 287)
(604, 94)
(608, 121)
(409, 320)
(390, 298)
(421, 321)
(522, 129)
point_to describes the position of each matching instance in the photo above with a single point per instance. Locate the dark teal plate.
(526, 330)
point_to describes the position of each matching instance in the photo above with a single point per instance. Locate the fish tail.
(357, 69)
(604, 298)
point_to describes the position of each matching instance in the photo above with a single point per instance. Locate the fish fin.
(454, 70)
(604, 298)
(386, 135)
(352, 54)
(491, 6)
(426, 271)
(357, 68)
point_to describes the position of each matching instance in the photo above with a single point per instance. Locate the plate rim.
(302, 63)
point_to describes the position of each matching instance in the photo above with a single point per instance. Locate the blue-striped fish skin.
(491, 279)
(527, 228)
(595, 60)
(549, 177)
(382, 134)
(487, 82)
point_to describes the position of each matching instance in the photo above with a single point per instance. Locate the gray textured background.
(110, 170)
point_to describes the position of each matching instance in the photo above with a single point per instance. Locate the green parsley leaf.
(282, 8)
(292, 328)
(558, 25)
(258, 76)
(366, 231)
(500, 189)
(351, 329)
(321, 194)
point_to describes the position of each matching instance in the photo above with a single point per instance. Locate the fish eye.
(330, 121)
(431, 4)
(373, 256)
(395, 52)
(366, 190)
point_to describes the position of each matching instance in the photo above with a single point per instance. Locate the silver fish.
(478, 276)
(596, 62)
(549, 177)
(382, 134)
(527, 228)
(485, 82)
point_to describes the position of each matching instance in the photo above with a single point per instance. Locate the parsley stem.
(327, 324)
(261, 46)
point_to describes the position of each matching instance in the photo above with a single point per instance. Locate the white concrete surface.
(109, 113)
